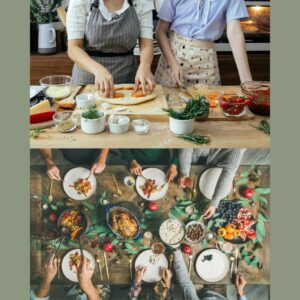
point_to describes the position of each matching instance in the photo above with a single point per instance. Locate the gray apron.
(111, 44)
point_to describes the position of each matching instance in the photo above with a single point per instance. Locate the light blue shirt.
(70, 295)
(202, 19)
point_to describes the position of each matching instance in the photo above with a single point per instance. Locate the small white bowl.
(141, 126)
(181, 126)
(93, 126)
(118, 124)
(85, 100)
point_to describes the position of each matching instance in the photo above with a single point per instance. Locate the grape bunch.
(228, 210)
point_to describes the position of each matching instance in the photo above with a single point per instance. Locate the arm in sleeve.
(236, 10)
(76, 19)
(185, 161)
(34, 297)
(183, 277)
(241, 297)
(229, 164)
(144, 11)
(127, 155)
(167, 11)
(174, 157)
(135, 291)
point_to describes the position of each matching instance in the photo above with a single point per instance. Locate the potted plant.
(92, 121)
(44, 14)
(183, 121)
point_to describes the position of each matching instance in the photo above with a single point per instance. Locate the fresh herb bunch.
(92, 113)
(195, 138)
(194, 108)
(44, 11)
(265, 127)
(35, 133)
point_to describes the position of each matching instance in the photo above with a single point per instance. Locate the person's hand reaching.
(139, 274)
(240, 284)
(209, 212)
(50, 269)
(135, 168)
(172, 173)
(53, 172)
(166, 275)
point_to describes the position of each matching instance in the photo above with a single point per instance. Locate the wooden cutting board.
(215, 114)
(150, 110)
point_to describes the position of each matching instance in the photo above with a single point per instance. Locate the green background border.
(14, 221)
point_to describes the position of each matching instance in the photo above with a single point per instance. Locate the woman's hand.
(167, 276)
(53, 172)
(98, 167)
(176, 74)
(210, 211)
(240, 284)
(104, 82)
(144, 79)
(135, 168)
(50, 269)
(172, 173)
(139, 274)
(84, 274)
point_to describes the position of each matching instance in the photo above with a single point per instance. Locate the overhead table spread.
(223, 134)
(118, 265)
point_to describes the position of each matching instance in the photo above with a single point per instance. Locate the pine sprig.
(264, 127)
(195, 138)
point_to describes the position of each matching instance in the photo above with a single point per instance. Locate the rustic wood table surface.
(119, 272)
(223, 134)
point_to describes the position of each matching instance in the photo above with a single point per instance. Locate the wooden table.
(223, 134)
(119, 273)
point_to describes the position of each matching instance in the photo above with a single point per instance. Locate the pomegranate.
(108, 247)
(186, 249)
(248, 192)
(152, 206)
(53, 217)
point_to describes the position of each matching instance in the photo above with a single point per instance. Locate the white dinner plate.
(153, 272)
(160, 178)
(208, 182)
(212, 270)
(65, 264)
(74, 175)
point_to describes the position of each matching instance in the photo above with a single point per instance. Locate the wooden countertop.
(223, 134)
(119, 274)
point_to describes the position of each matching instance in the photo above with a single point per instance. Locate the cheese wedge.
(41, 107)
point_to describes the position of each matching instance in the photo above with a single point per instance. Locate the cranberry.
(152, 206)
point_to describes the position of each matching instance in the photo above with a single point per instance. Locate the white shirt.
(79, 12)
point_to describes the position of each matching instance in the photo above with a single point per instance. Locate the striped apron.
(111, 44)
(197, 60)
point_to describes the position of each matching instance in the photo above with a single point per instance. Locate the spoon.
(194, 190)
(99, 265)
(232, 259)
(190, 263)
(50, 197)
(118, 193)
(130, 266)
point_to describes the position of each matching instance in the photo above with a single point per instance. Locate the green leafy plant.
(194, 108)
(264, 126)
(44, 11)
(35, 133)
(92, 113)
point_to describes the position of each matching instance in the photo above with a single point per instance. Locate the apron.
(197, 59)
(111, 44)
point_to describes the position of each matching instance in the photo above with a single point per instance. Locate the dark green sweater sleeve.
(127, 155)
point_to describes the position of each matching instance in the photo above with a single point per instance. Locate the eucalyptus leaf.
(53, 207)
(263, 201)
(209, 224)
(263, 191)
(262, 217)
(45, 199)
(115, 242)
(88, 205)
(242, 181)
(60, 203)
(244, 174)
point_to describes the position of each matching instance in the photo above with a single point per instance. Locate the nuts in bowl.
(195, 231)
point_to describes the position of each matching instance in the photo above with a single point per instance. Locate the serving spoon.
(119, 192)
(50, 197)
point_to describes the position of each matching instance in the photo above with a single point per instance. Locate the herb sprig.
(264, 126)
(194, 108)
(195, 138)
(35, 133)
(92, 113)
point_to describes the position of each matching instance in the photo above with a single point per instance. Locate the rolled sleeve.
(167, 11)
(146, 25)
(34, 297)
(76, 19)
(236, 10)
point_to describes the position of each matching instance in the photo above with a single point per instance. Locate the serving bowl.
(57, 87)
(171, 229)
(194, 224)
(258, 93)
(118, 209)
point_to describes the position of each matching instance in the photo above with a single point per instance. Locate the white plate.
(72, 176)
(72, 274)
(160, 178)
(208, 182)
(215, 269)
(34, 90)
(153, 270)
